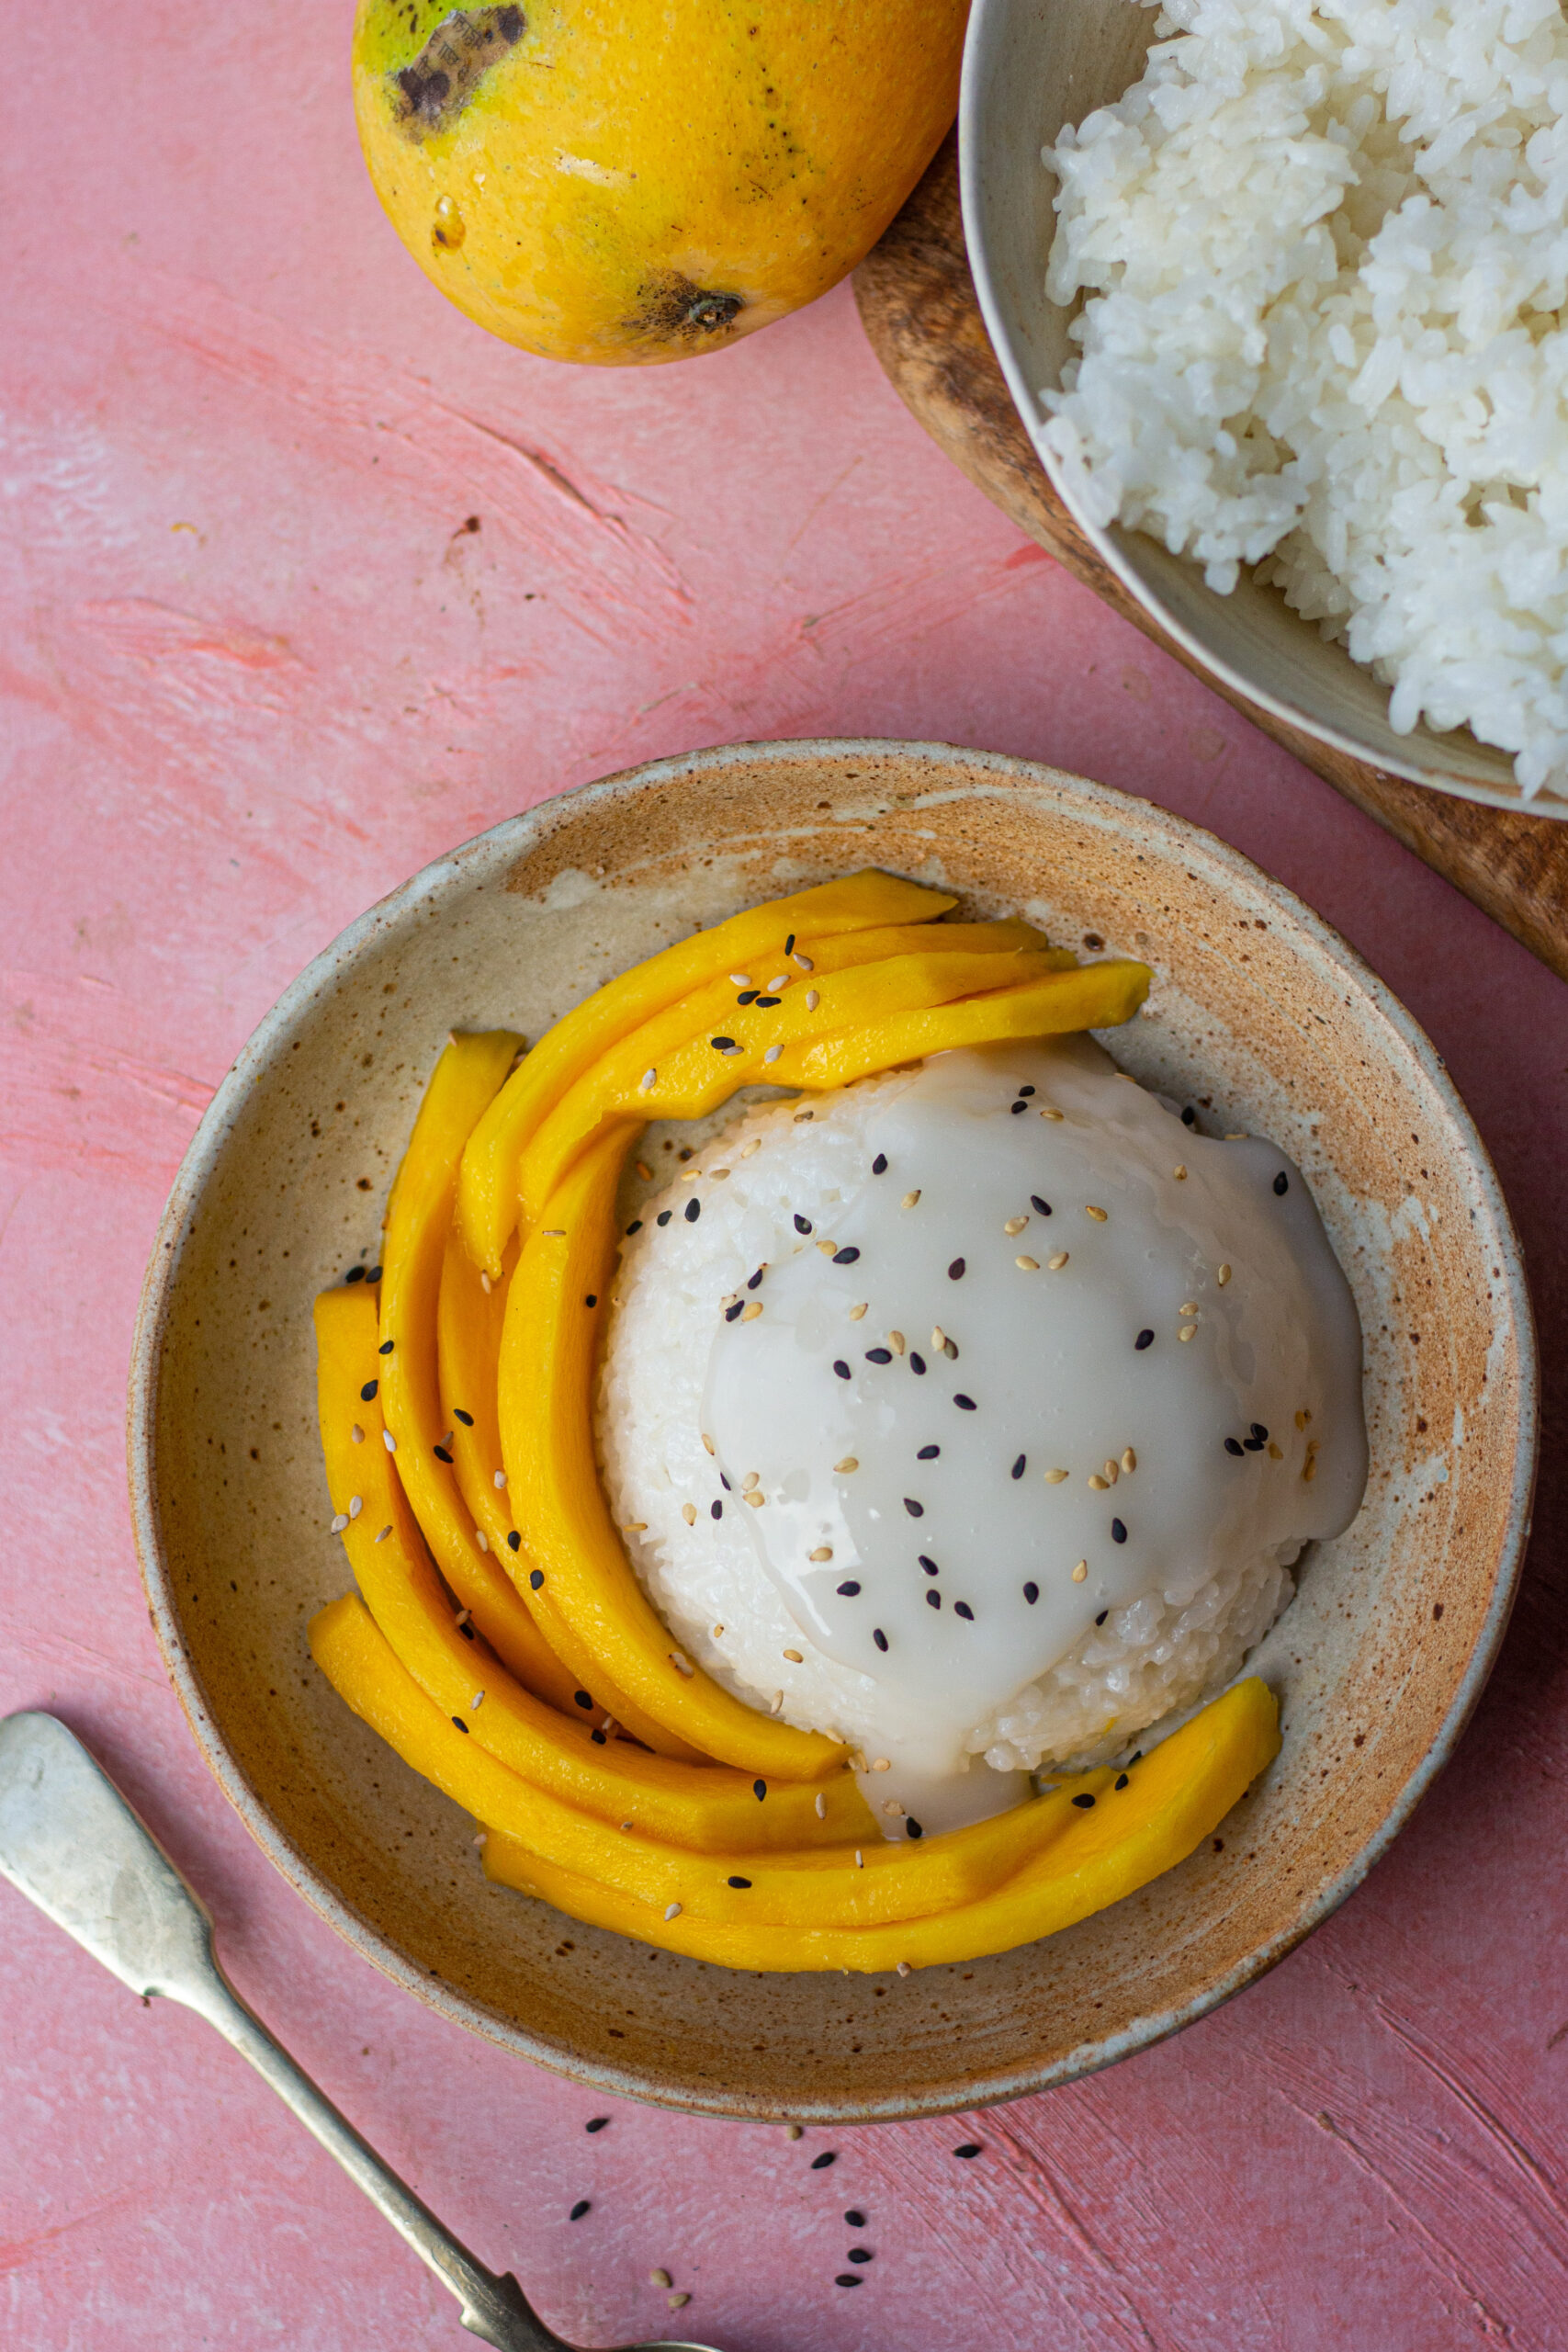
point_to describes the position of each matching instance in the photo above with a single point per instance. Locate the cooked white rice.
(1326, 252)
(1164, 1651)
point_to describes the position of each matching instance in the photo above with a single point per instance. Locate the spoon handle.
(69, 1840)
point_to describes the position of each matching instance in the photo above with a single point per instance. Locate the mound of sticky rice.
(895, 1473)
(1321, 252)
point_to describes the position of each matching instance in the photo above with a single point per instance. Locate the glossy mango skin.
(628, 182)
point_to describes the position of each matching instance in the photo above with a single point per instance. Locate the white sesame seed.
(463, 1616)
(481, 1539)
(804, 962)
(1049, 1111)
(485, 1280)
(939, 1338)
(752, 1479)
(895, 1342)
(388, 1441)
(822, 1806)
(1224, 1276)
(648, 1081)
(357, 1435)
(778, 1702)
(1237, 1135)
(500, 1478)
(827, 1248)
(688, 1175)
(860, 1860)
(689, 1514)
(740, 979)
(708, 1441)
(1098, 1215)
(882, 1764)
(1015, 1224)
(893, 1810)
(477, 1701)
(1055, 1477)
(813, 998)
(1080, 1572)
(382, 1537)
(554, 1232)
(774, 1054)
(718, 1630)
(823, 1552)
(1098, 1483)
(483, 1838)
(1187, 1330)
(856, 1313)
(801, 1118)
(904, 1968)
(1188, 1307)
(1275, 1452)
(756, 1499)
(644, 1170)
(1027, 1265)
(355, 1505)
(1129, 1460)
(1179, 1174)
(340, 1522)
(634, 1527)
(680, 1665)
(672, 1911)
(747, 1149)
(795, 1658)
(1058, 1261)
(851, 1461)
(1112, 1472)
(779, 980)
(910, 1200)
(718, 1174)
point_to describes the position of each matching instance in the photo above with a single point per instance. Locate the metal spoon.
(71, 1842)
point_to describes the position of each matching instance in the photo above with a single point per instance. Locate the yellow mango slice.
(1097, 996)
(594, 1609)
(1174, 1800)
(419, 1638)
(486, 1188)
(670, 1068)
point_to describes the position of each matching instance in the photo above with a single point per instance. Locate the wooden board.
(917, 303)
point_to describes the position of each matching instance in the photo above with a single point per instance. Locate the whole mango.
(632, 181)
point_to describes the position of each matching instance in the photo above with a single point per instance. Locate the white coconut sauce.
(949, 1563)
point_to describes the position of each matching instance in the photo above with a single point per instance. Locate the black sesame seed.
(956, 1271)
(740, 1881)
(385, 1348)
(1282, 1182)
(861, 2254)
(1232, 1445)
(354, 1275)
(879, 1356)
(1190, 1116)
(964, 1404)
(730, 1313)
(912, 1829)
(721, 1044)
(1259, 1432)
(828, 2156)
(917, 1363)
(841, 1367)
(1117, 1531)
(1121, 1781)
(759, 1790)
(458, 1415)
(369, 1389)
(854, 2219)
(879, 1165)
(600, 1738)
(962, 1609)
(914, 1510)
(725, 1484)
(789, 950)
(578, 2210)
(635, 1227)
(1041, 1208)
(467, 1632)
(1017, 1107)
(928, 1454)
(802, 1224)
(847, 1256)
(664, 1216)
(535, 1576)
(460, 1723)
(597, 2123)
(849, 1588)
(440, 1453)
(747, 996)
(1144, 1340)
(933, 1597)
(583, 1698)
(1252, 1446)
(970, 2148)
(766, 1003)
(592, 1299)
(1031, 1593)
(1026, 1090)
(1102, 1616)
(847, 2279)
(1084, 1801)
(374, 1275)
(879, 1637)
(927, 1562)
(715, 1510)
(693, 1210)
(514, 1541)
(755, 1281)
(1018, 1466)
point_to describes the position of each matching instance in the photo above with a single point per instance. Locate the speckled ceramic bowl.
(1256, 1008)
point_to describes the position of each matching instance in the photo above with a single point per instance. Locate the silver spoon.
(73, 1845)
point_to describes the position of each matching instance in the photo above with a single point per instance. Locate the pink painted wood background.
(257, 671)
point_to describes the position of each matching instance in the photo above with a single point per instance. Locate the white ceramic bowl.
(1257, 1008)
(1029, 67)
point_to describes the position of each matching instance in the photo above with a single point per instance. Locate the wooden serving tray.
(917, 303)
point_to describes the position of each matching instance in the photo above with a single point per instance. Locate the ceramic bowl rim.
(993, 312)
(502, 843)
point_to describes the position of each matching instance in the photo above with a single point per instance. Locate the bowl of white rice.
(1280, 293)
(1379, 1637)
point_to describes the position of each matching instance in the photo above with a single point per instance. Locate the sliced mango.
(1174, 1799)
(487, 1190)
(673, 1066)
(594, 1609)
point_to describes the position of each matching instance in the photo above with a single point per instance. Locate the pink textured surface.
(257, 671)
